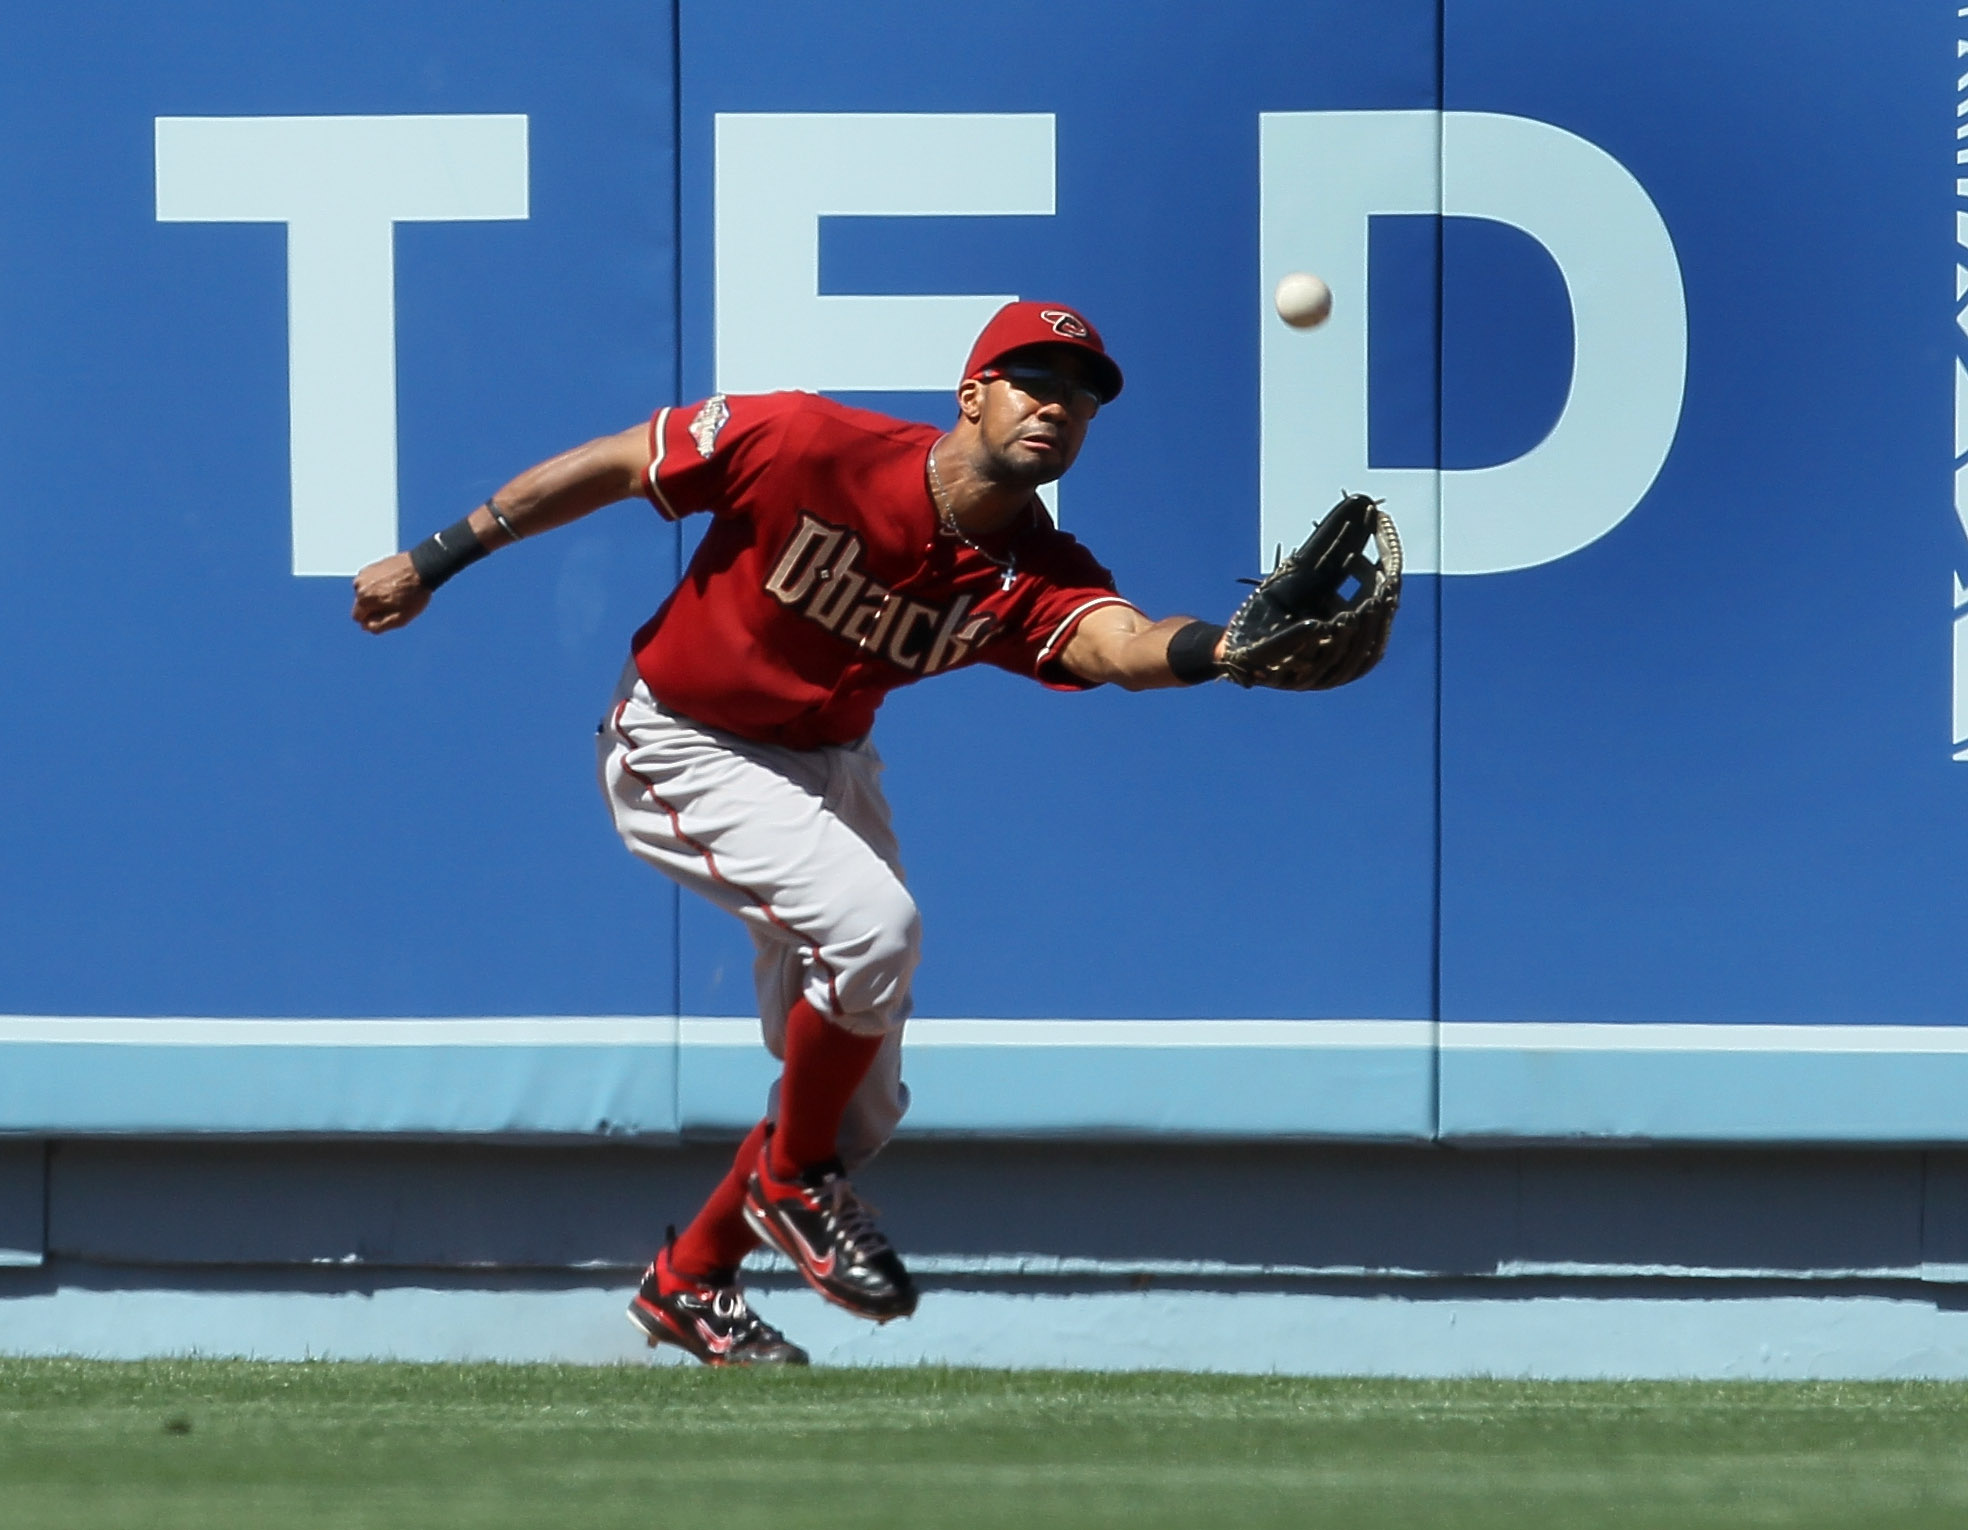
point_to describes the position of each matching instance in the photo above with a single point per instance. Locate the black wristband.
(438, 557)
(1192, 653)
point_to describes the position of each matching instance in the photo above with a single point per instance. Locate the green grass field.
(205, 1443)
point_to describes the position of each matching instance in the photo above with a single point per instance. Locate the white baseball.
(1302, 300)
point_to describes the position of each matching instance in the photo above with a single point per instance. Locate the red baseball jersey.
(826, 579)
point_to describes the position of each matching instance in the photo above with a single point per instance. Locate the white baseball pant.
(798, 844)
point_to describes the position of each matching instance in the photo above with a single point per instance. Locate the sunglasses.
(1047, 386)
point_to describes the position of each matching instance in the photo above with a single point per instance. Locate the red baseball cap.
(1018, 325)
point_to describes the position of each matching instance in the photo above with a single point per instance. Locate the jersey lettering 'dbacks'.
(816, 576)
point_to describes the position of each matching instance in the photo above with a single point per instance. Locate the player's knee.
(902, 928)
(894, 938)
(898, 942)
(878, 961)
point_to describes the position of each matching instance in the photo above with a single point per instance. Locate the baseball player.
(847, 554)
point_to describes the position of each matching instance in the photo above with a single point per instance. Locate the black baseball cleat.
(711, 1320)
(829, 1233)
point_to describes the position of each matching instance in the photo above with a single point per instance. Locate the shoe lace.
(728, 1304)
(853, 1218)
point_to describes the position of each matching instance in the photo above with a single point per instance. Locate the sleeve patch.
(710, 419)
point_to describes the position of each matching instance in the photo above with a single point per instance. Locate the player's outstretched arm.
(393, 591)
(1118, 645)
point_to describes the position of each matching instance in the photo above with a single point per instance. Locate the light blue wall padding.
(1358, 1079)
(1317, 1091)
(1705, 1083)
(1364, 1080)
(526, 1077)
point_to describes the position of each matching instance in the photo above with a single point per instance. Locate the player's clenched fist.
(389, 593)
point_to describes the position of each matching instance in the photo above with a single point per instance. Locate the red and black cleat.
(829, 1233)
(710, 1319)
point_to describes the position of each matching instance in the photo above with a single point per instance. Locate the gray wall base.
(23, 1203)
(1287, 1257)
(996, 1207)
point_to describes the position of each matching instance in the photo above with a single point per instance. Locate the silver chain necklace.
(1007, 566)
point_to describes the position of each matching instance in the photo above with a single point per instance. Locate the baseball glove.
(1320, 619)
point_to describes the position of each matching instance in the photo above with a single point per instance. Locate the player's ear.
(970, 399)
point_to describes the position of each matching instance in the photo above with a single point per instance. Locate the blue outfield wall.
(1648, 827)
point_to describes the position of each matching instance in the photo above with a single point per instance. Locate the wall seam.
(676, 529)
(1441, 578)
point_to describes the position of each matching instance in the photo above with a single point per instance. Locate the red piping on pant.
(710, 861)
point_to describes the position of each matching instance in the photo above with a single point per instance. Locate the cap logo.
(1070, 325)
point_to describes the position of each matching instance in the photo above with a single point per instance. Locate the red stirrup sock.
(824, 1066)
(718, 1237)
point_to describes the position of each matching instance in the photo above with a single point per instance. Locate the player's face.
(1034, 410)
